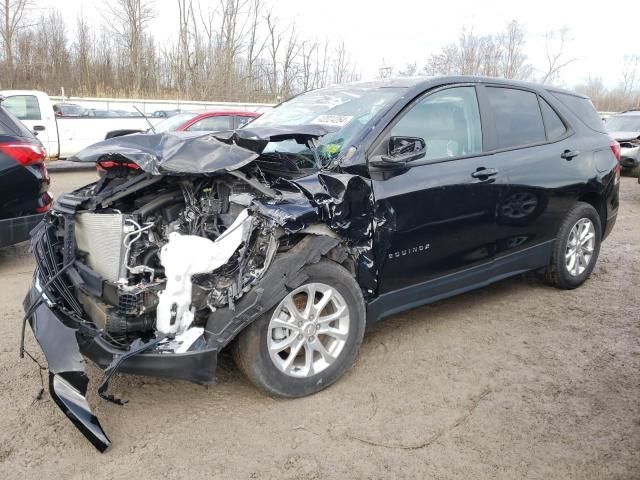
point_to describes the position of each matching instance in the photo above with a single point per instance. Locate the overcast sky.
(402, 31)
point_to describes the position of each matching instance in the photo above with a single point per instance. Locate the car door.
(26, 108)
(435, 217)
(213, 124)
(530, 140)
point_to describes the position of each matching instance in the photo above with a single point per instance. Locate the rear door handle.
(38, 128)
(484, 173)
(569, 154)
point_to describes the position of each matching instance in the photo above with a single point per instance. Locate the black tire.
(556, 272)
(251, 353)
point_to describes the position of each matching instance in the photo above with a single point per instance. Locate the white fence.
(150, 106)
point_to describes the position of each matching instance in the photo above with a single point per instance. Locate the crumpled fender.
(68, 380)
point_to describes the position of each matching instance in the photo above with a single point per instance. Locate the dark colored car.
(68, 110)
(23, 180)
(625, 128)
(285, 238)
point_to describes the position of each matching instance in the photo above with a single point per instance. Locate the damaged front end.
(183, 242)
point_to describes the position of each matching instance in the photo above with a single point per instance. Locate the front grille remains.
(100, 237)
(45, 246)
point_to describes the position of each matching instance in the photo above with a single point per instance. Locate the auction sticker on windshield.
(334, 120)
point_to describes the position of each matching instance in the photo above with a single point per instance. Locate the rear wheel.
(309, 339)
(576, 248)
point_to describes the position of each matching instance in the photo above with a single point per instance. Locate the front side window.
(448, 121)
(212, 124)
(25, 107)
(517, 117)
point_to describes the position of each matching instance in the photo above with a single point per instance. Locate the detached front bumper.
(65, 344)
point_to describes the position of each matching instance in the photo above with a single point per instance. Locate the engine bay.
(168, 254)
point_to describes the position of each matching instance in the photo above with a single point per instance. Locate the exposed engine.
(168, 252)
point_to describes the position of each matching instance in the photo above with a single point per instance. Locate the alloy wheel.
(580, 247)
(308, 330)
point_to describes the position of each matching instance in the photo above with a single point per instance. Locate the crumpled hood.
(194, 152)
(621, 136)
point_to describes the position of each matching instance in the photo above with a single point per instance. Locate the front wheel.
(310, 339)
(576, 248)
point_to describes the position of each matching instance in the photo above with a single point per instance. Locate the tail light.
(615, 148)
(105, 165)
(24, 153)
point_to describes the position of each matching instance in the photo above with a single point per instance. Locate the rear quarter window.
(582, 108)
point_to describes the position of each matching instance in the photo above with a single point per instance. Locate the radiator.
(100, 236)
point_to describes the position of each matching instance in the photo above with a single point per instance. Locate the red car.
(206, 122)
(212, 121)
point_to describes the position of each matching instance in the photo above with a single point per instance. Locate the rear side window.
(583, 109)
(517, 116)
(25, 107)
(242, 121)
(212, 124)
(552, 122)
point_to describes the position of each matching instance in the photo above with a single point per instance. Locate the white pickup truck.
(63, 137)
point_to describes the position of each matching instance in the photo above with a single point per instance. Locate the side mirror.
(402, 150)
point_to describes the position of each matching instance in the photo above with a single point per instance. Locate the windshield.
(345, 108)
(171, 124)
(624, 123)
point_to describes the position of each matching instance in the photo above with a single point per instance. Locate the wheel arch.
(599, 203)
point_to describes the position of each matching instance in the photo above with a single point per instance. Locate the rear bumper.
(15, 230)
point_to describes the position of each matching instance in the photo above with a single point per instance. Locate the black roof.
(424, 82)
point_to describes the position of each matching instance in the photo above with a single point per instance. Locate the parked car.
(23, 180)
(64, 109)
(334, 210)
(165, 113)
(63, 136)
(211, 121)
(625, 128)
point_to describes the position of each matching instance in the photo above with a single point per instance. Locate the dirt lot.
(517, 380)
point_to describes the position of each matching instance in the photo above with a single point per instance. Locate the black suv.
(24, 180)
(285, 238)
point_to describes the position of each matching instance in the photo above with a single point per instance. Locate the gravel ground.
(517, 380)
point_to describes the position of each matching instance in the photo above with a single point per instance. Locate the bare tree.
(410, 69)
(12, 19)
(500, 54)
(514, 59)
(630, 72)
(131, 18)
(555, 46)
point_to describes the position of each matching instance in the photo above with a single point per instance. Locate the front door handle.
(484, 173)
(38, 128)
(569, 154)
